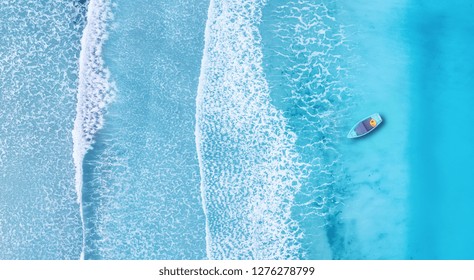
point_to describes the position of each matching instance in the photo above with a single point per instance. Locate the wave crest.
(249, 167)
(95, 90)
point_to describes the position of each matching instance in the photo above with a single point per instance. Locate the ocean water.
(141, 190)
(304, 60)
(249, 167)
(39, 54)
(217, 129)
(442, 148)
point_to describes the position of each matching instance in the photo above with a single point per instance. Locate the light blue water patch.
(330, 64)
(442, 153)
(39, 217)
(305, 62)
(141, 179)
(376, 213)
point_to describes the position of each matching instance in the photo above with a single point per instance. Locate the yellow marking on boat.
(373, 123)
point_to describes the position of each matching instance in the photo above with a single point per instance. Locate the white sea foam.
(95, 90)
(248, 164)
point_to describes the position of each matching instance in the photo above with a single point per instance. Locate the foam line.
(197, 131)
(95, 91)
(248, 164)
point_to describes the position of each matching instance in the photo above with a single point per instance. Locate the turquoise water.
(141, 178)
(304, 51)
(442, 148)
(375, 216)
(39, 217)
(217, 129)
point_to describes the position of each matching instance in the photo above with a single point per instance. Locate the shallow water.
(217, 129)
(39, 218)
(141, 179)
(304, 50)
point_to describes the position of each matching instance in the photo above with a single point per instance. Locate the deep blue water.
(217, 129)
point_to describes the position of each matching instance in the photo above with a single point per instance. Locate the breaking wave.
(95, 90)
(250, 171)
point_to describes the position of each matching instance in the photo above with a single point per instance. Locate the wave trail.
(95, 91)
(250, 171)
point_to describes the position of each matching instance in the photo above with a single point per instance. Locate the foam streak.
(95, 91)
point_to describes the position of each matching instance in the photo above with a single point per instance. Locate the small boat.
(365, 126)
